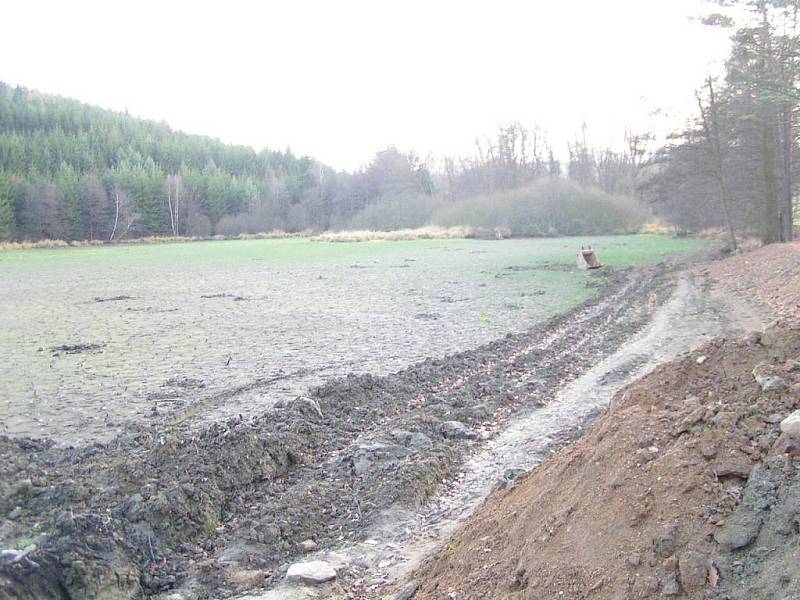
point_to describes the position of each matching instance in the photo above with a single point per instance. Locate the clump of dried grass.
(657, 226)
(7, 246)
(430, 232)
(151, 239)
(275, 234)
(745, 243)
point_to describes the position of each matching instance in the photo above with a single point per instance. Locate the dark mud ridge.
(165, 508)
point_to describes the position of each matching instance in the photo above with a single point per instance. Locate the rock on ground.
(455, 430)
(693, 568)
(313, 572)
(791, 425)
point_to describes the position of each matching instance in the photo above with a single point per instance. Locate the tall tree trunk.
(771, 207)
(714, 142)
(116, 216)
(169, 204)
(787, 205)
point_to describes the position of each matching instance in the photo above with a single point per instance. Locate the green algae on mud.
(623, 250)
(227, 327)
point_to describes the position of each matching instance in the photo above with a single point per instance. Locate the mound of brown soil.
(677, 491)
(768, 276)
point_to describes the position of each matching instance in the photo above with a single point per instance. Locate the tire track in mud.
(218, 511)
(201, 407)
(693, 315)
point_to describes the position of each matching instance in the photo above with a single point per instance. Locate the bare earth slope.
(682, 489)
(768, 276)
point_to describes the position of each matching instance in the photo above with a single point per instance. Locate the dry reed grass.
(430, 232)
(49, 244)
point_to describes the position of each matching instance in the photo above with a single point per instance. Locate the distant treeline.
(72, 171)
(734, 166)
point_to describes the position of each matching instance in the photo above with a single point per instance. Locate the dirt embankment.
(685, 488)
(213, 513)
(768, 277)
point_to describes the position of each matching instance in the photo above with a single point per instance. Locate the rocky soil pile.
(767, 276)
(686, 488)
(227, 509)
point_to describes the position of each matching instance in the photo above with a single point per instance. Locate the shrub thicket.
(548, 207)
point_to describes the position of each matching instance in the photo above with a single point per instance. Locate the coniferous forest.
(73, 171)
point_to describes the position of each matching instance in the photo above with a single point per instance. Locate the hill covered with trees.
(73, 171)
(69, 170)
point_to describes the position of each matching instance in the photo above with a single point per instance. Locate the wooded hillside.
(73, 171)
(70, 170)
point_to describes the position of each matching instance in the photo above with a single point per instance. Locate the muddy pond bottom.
(97, 338)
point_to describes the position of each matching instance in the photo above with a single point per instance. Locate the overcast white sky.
(341, 79)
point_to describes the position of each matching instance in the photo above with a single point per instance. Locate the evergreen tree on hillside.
(7, 208)
(71, 160)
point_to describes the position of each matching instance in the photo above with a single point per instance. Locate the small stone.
(670, 564)
(734, 467)
(739, 530)
(708, 450)
(313, 572)
(784, 445)
(308, 545)
(456, 430)
(701, 359)
(249, 578)
(514, 473)
(771, 384)
(411, 439)
(693, 569)
(407, 592)
(366, 457)
(765, 376)
(671, 586)
(791, 425)
(753, 338)
(664, 543)
(645, 441)
(634, 560)
(10, 555)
